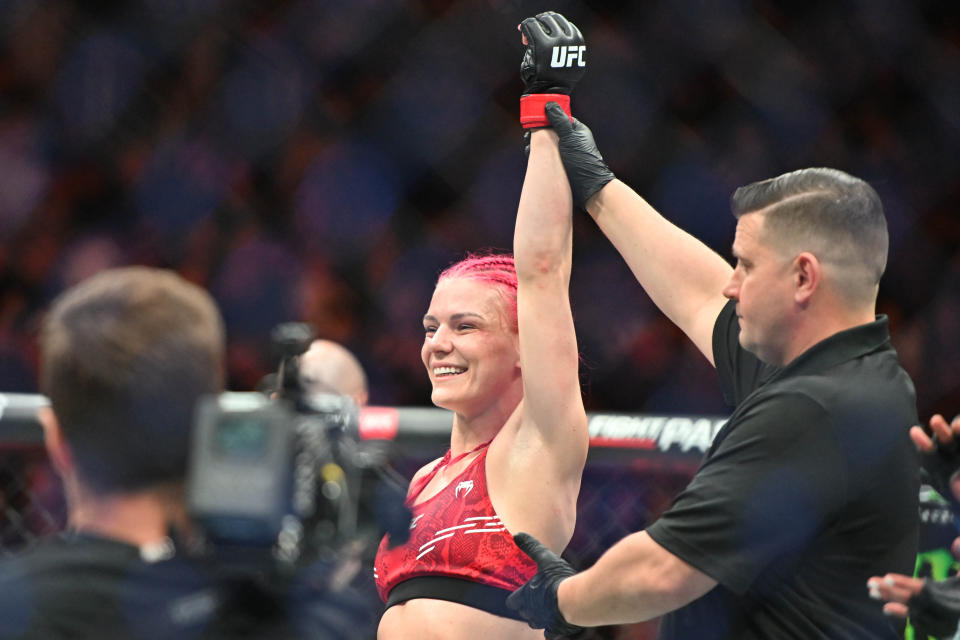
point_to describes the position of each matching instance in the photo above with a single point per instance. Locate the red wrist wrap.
(532, 112)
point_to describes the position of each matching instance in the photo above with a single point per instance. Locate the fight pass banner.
(683, 438)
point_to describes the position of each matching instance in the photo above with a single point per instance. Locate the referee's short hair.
(837, 217)
(124, 357)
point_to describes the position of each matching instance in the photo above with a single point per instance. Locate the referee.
(811, 487)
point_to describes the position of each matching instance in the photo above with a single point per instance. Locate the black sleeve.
(770, 485)
(740, 371)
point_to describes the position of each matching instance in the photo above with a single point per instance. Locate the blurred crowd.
(322, 161)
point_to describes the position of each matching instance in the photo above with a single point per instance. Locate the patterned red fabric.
(455, 533)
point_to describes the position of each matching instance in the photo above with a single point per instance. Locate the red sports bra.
(458, 549)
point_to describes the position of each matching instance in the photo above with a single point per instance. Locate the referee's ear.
(807, 277)
(61, 457)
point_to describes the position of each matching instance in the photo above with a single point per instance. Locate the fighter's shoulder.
(425, 470)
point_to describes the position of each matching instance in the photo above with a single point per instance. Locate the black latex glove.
(536, 601)
(935, 610)
(555, 56)
(586, 170)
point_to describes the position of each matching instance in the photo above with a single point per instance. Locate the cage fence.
(637, 464)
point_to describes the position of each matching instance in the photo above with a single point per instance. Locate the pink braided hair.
(496, 269)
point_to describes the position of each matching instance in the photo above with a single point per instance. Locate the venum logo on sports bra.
(466, 486)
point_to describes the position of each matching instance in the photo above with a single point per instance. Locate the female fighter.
(500, 350)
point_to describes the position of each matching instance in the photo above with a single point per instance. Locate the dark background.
(323, 161)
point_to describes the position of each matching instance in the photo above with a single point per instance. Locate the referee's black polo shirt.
(809, 489)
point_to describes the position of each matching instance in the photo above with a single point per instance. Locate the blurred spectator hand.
(933, 606)
(939, 448)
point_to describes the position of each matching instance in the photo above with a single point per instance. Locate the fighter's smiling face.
(471, 354)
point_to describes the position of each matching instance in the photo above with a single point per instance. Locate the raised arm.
(682, 276)
(553, 417)
(535, 466)
(549, 358)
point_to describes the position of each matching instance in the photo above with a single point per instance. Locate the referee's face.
(762, 286)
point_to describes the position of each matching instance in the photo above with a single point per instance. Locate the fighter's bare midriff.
(427, 619)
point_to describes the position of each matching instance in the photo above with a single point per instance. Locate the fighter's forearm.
(543, 234)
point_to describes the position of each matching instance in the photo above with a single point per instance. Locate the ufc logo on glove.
(564, 56)
(554, 59)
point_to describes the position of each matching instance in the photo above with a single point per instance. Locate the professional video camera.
(280, 480)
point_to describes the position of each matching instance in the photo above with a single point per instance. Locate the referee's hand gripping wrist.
(536, 601)
(586, 169)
